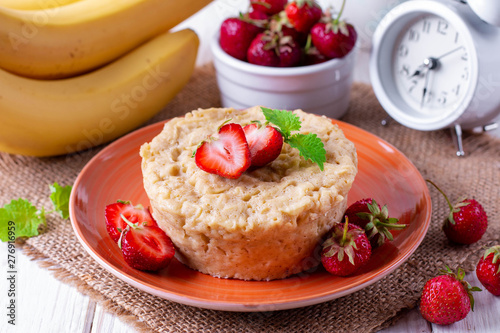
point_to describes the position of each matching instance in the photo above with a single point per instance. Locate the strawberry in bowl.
(282, 67)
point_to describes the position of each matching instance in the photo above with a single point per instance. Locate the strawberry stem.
(344, 235)
(441, 191)
(130, 224)
(390, 225)
(340, 13)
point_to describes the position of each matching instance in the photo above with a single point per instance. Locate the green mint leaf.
(20, 218)
(286, 121)
(310, 147)
(60, 198)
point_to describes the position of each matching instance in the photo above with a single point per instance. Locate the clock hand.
(429, 64)
(424, 91)
(449, 52)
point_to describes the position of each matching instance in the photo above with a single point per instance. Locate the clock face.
(431, 66)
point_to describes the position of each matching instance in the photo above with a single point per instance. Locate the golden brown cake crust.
(264, 225)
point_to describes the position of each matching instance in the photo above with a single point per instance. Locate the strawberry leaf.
(286, 121)
(26, 217)
(60, 198)
(310, 147)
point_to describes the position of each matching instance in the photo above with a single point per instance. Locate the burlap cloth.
(368, 310)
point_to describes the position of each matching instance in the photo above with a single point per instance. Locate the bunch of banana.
(75, 38)
(140, 67)
(53, 117)
(34, 4)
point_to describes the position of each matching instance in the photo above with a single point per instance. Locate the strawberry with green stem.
(345, 250)
(367, 214)
(237, 33)
(272, 48)
(333, 38)
(488, 270)
(303, 14)
(447, 298)
(467, 221)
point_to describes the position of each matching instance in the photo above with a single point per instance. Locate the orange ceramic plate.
(384, 174)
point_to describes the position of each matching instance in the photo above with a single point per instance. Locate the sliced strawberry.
(115, 224)
(226, 154)
(146, 247)
(265, 143)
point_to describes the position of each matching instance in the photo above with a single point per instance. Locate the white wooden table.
(46, 305)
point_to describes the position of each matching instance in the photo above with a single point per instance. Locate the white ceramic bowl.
(322, 89)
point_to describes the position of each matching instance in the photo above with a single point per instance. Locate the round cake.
(265, 225)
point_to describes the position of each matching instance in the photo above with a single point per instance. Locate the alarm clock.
(435, 64)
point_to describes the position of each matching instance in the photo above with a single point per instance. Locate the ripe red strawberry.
(135, 214)
(367, 214)
(270, 7)
(303, 14)
(447, 298)
(467, 221)
(257, 15)
(146, 247)
(488, 270)
(346, 249)
(272, 49)
(265, 143)
(225, 154)
(236, 34)
(334, 39)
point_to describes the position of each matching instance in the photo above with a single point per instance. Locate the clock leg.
(456, 132)
(385, 121)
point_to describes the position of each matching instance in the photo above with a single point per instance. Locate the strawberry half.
(265, 143)
(226, 154)
(135, 214)
(146, 247)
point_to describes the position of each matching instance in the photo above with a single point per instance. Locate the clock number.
(456, 90)
(403, 50)
(465, 74)
(413, 85)
(442, 27)
(464, 56)
(405, 70)
(426, 26)
(442, 98)
(413, 35)
(456, 37)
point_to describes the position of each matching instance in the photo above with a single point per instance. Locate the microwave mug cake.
(264, 225)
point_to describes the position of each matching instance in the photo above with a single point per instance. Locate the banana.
(70, 40)
(54, 117)
(34, 4)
